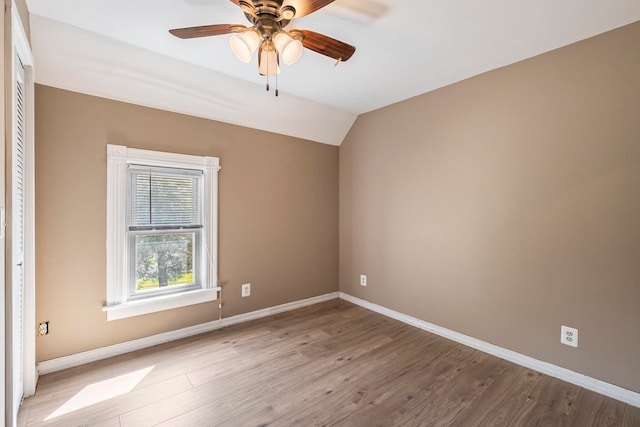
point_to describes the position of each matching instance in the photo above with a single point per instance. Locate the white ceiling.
(121, 49)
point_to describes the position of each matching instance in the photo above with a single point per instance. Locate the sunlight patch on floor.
(101, 391)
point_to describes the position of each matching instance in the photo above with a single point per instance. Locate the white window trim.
(118, 159)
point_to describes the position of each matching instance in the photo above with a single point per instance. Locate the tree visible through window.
(163, 260)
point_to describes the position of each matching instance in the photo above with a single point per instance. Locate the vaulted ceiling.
(122, 50)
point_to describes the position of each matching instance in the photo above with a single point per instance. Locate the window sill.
(159, 303)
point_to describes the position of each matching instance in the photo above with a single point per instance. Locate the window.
(164, 226)
(161, 231)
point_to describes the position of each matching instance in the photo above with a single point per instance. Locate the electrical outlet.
(246, 290)
(43, 329)
(569, 336)
(363, 280)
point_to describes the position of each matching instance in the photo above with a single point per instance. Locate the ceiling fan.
(267, 34)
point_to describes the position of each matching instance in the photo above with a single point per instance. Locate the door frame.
(22, 49)
(19, 48)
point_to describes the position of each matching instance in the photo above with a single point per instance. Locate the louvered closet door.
(17, 233)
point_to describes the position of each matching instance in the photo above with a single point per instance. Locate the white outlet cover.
(569, 336)
(363, 280)
(246, 290)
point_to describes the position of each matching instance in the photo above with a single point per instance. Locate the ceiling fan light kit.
(289, 45)
(244, 45)
(268, 62)
(267, 34)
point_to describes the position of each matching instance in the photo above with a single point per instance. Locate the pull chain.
(267, 56)
(277, 92)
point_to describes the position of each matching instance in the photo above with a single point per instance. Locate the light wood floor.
(329, 364)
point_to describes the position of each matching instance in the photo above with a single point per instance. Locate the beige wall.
(507, 205)
(278, 216)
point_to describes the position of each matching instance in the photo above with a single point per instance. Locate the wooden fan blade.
(206, 30)
(327, 46)
(305, 7)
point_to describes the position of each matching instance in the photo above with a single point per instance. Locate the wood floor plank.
(507, 394)
(332, 363)
(215, 397)
(104, 410)
(607, 414)
(431, 394)
(392, 379)
(535, 414)
(557, 394)
(631, 416)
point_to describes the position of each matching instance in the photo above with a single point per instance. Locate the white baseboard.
(627, 396)
(77, 359)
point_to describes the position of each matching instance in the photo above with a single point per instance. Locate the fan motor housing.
(267, 27)
(271, 7)
(266, 16)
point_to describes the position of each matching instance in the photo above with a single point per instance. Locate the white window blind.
(162, 198)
